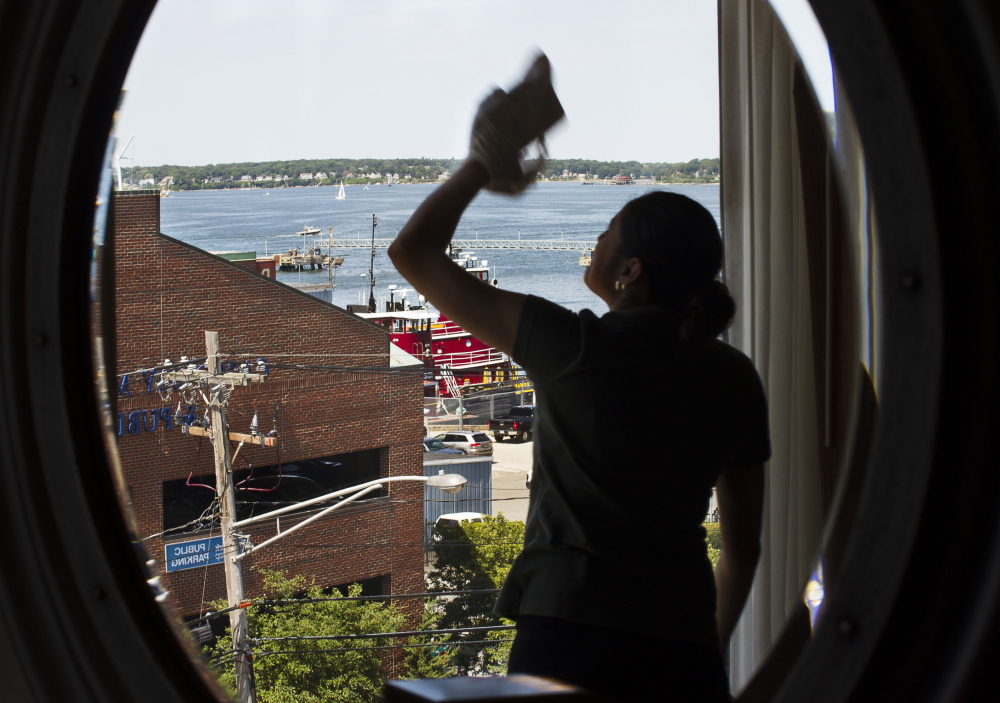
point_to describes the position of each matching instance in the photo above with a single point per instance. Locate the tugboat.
(458, 362)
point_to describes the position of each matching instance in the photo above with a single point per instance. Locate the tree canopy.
(475, 556)
(313, 671)
(311, 172)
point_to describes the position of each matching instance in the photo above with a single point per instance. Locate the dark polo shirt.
(633, 428)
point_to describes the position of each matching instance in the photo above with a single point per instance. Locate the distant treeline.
(306, 172)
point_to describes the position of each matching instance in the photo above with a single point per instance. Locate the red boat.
(460, 363)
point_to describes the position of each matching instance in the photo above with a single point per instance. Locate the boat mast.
(371, 269)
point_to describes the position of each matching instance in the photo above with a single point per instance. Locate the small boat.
(340, 194)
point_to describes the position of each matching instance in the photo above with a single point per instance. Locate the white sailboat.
(340, 194)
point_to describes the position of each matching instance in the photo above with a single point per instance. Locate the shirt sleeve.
(548, 339)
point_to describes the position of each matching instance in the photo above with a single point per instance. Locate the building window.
(260, 489)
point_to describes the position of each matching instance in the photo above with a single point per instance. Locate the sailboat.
(340, 194)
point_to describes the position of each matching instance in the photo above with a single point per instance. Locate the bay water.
(266, 221)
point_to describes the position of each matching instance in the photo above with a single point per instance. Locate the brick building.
(336, 427)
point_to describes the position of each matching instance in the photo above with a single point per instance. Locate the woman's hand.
(507, 123)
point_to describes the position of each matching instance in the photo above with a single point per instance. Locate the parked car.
(454, 520)
(518, 423)
(474, 443)
(436, 446)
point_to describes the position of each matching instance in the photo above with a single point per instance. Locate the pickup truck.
(519, 423)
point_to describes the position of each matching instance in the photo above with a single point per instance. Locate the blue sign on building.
(191, 555)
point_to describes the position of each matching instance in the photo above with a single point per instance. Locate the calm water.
(249, 220)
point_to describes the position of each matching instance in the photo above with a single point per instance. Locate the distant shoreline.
(595, 182)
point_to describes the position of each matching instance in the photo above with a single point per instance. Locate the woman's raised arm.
(505, 124)
(488, 313)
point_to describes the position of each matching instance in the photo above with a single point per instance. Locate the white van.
(454, 520)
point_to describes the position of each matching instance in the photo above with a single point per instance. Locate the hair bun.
(710, 311)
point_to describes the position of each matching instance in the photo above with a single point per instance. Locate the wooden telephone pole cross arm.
(258, 439)
(232, 378)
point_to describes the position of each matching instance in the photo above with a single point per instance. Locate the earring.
(619, 285)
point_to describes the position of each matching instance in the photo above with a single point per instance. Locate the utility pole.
(230, 546)
(371, 270)
(219, 385)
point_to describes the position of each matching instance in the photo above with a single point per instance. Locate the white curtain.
(767, 271)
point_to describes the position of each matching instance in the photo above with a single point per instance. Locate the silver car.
(473, 443)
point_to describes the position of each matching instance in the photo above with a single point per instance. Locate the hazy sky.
(219, 81)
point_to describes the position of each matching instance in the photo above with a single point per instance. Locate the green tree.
(714, 540)
(307, 671)
(475, 556)
(426, 658)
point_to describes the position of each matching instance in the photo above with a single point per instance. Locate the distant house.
(320, 176)
(147, 182)
(305, 176)
(246, 178)
(168, 181)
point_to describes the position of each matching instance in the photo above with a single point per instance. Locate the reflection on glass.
(810, 43)
(815, 593)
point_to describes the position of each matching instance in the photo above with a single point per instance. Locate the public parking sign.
(193, 554)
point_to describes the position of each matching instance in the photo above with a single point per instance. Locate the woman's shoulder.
(734, 361)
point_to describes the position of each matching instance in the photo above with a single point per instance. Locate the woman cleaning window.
(614, 590)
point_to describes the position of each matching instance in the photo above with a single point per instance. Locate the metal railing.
(475, 411)
(477, 357)
(441, 330)
(544, 244)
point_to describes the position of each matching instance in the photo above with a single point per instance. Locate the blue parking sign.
(193, 554)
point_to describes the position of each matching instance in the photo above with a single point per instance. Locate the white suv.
(475, 443)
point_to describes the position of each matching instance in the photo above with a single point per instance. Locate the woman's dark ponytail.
(708, 313)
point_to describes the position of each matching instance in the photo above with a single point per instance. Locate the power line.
(361, 503)
(380, 635)
(452, 643)
(305, 601)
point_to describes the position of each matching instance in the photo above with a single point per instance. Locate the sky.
(223, 81)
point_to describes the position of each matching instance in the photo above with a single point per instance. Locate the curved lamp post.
(449, 483)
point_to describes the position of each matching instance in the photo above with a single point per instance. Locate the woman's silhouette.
(641, 413)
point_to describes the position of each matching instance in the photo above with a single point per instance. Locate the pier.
(475, 244)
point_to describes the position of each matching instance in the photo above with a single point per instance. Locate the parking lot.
(511, 461)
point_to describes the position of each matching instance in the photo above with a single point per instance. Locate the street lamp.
(449, 483)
